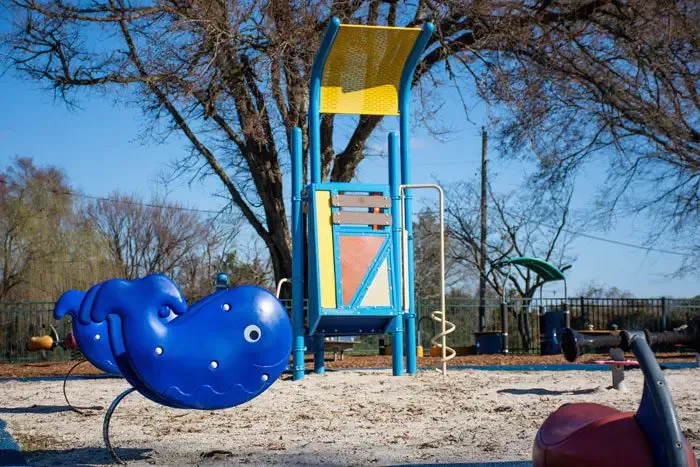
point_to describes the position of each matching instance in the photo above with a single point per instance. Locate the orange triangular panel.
(356, 255)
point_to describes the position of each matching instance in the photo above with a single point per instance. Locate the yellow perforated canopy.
(363, 69)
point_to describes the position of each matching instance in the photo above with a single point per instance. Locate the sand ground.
(341, 418)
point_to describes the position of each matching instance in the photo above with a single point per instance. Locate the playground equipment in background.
(551, 322)
(617, 363)
(221, 282)
(585, 434)
(91, 339)
(576, 343)
(360, 237)
(222, 351)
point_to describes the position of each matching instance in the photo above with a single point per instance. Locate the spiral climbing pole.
(440, 339)
(446, 327)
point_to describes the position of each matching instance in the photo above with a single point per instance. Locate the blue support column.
(297, 258)
(319, 354)
(410, 317)
(315, 141)
(315, 98)
(395, 190)
(404, 101)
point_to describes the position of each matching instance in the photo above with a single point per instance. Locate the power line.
(593, 237)
(630, 245)
(117, 201)
(209, 211)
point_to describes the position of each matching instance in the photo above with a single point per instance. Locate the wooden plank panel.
(361, 218)
(361, 201)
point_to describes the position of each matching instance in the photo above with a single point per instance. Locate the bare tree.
(519, 225)
(426, 234)
(230, 76)
(141, 238)
(32, 208)
(51, 240)
(573, 76)
(594, 289)
(610, 83)
(222, 251)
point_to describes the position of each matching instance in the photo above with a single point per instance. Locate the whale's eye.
(252, 333)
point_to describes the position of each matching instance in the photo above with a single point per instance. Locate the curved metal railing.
(446, 327)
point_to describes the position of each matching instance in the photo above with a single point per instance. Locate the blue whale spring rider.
(220, 352)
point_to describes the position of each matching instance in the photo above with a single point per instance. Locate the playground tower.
(359, 250)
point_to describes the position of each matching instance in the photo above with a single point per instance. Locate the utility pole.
(482, 240)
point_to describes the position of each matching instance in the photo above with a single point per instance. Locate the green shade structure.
(547, 271)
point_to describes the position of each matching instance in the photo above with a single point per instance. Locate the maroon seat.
(578, 435)
(583, 435)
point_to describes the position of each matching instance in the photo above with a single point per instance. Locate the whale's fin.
(124, 298)
(68, 304)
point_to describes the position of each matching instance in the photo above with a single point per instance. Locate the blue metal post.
(410, 317)
(297, 258)
(319, 354)
(404, 101)
(395, 190)
(315, 98)
(315, 141)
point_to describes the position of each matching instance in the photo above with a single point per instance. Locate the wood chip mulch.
(42, 369)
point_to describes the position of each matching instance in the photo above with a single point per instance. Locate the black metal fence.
(19, 321)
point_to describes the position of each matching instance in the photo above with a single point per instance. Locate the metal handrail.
(280, 284)
(438, 315)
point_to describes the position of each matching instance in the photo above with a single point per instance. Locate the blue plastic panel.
(92, 338)
(353, 325)
(489, 343)
(348, 319)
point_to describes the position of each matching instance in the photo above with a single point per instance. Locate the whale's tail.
(68, 304)
(126, 298)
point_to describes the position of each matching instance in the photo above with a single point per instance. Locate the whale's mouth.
(207, 397)
(252, 386)
(251, 389)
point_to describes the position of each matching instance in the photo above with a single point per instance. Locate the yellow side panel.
(363, 70)
(326, 263)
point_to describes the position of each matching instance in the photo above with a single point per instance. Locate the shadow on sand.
(43, 409)
(547, 392)
(84, 456)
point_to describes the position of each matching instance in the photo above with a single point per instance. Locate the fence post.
(541, 324)
(504, 328)
(584, 318)
(663, 314)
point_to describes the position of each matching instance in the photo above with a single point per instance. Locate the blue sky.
(100, 149)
